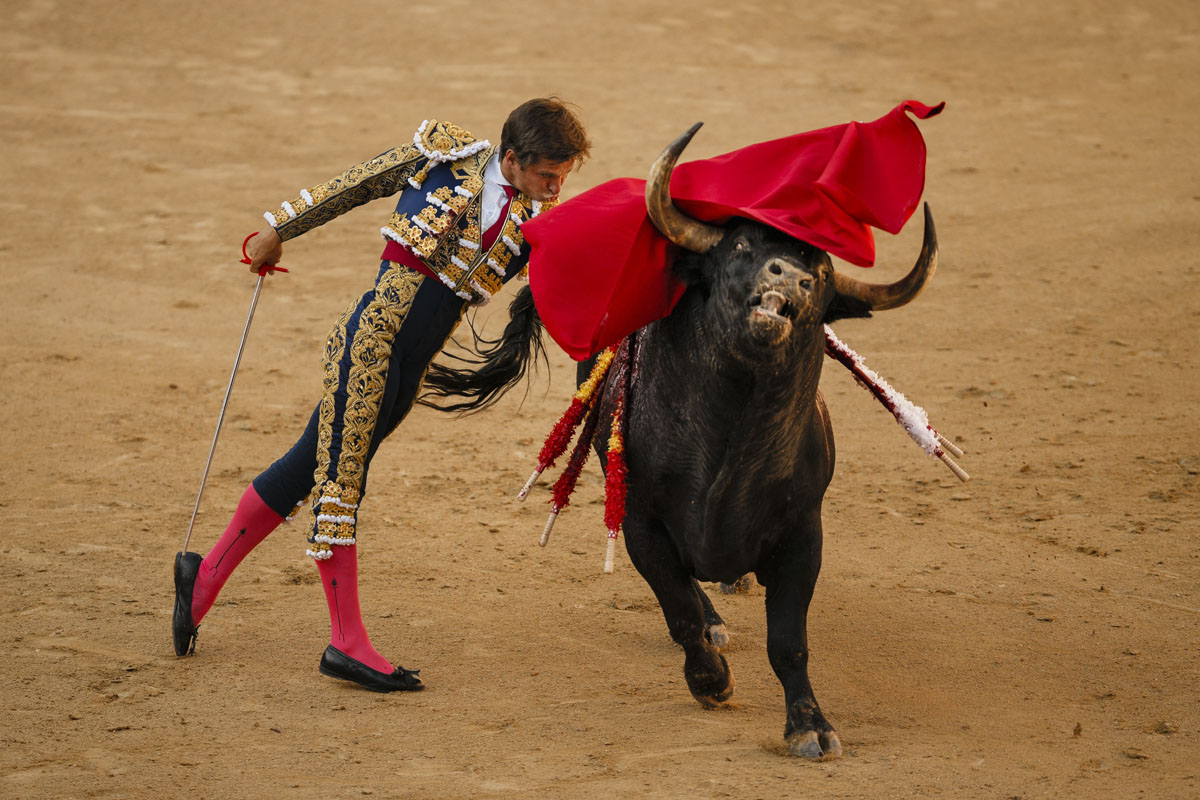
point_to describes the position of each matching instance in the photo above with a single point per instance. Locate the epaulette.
(440, 142)
(444, 138)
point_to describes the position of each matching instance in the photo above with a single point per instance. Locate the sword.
(262, 273)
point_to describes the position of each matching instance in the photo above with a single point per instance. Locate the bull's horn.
(881, 297)
(681, 229)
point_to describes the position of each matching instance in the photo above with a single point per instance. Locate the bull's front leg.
(714, 626)
(789, 579)
(653, 554)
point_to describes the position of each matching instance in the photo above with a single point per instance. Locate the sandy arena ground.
(1034, 633)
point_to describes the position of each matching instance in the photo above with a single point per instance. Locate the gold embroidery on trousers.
(335, 347)
(370, 352)
(336, 512)
(335, 504)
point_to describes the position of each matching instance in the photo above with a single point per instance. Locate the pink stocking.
(339, 576)
(251, 523)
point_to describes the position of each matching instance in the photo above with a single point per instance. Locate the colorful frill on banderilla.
(620, 360)
(584, 415)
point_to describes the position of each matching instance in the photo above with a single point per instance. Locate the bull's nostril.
(806, 283)
(774, 268)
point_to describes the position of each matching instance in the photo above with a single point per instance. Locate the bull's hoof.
(718, 635)
(810, 744)
(712, 683)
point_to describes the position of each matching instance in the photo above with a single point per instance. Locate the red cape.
(600, 270)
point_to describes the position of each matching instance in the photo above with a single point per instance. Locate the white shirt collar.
(493, 198)
(492, 172)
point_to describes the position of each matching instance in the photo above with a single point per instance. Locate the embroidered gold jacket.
(437, 217)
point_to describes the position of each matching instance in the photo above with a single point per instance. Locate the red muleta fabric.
(600, 270)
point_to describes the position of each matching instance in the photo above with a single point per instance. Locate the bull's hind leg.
(654, 556)
(790, 579)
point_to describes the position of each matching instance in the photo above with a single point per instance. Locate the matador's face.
(542, 180)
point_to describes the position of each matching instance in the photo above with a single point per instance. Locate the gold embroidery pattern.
(488, 276)
(304, 507)
(448, 241)
(381, 176)
(488, 281)
(335, 347)
(474, 181)
(446, 136)
(433, 234)
(411, 236)
(336, 512)
(335, 505)
(449, 334)
(440, 142)
(433, 221)
(369, 355)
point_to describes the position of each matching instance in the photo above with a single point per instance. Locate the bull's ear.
(845, 307)
(690, 268)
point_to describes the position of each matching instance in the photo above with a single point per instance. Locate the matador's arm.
(379, 177)
(386, 174)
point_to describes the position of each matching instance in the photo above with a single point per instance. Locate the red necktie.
(489, 236)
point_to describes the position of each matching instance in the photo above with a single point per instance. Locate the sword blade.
(224, 405)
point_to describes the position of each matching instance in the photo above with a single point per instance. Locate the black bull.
(729, 444)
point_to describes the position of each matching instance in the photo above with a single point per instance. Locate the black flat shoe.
(187, 567)
(337, 664)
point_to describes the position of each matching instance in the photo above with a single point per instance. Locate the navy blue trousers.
(375, 361)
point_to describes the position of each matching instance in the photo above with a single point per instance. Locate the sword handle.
(265, 269)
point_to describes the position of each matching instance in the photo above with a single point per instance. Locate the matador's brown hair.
(545, 128)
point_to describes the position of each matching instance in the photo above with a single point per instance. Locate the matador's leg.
(367, 357)
(357, 360)
(261, 508)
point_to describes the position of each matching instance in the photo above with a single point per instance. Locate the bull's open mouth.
(773, 306)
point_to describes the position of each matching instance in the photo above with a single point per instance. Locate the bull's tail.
(501, 363)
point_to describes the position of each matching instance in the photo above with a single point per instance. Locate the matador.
(453, 240)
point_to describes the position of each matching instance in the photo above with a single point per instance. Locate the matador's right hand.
(264, 249)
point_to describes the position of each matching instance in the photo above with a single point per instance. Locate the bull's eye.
(740, 245)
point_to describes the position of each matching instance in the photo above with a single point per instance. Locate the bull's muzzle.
(780, 269)
(783, 291)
